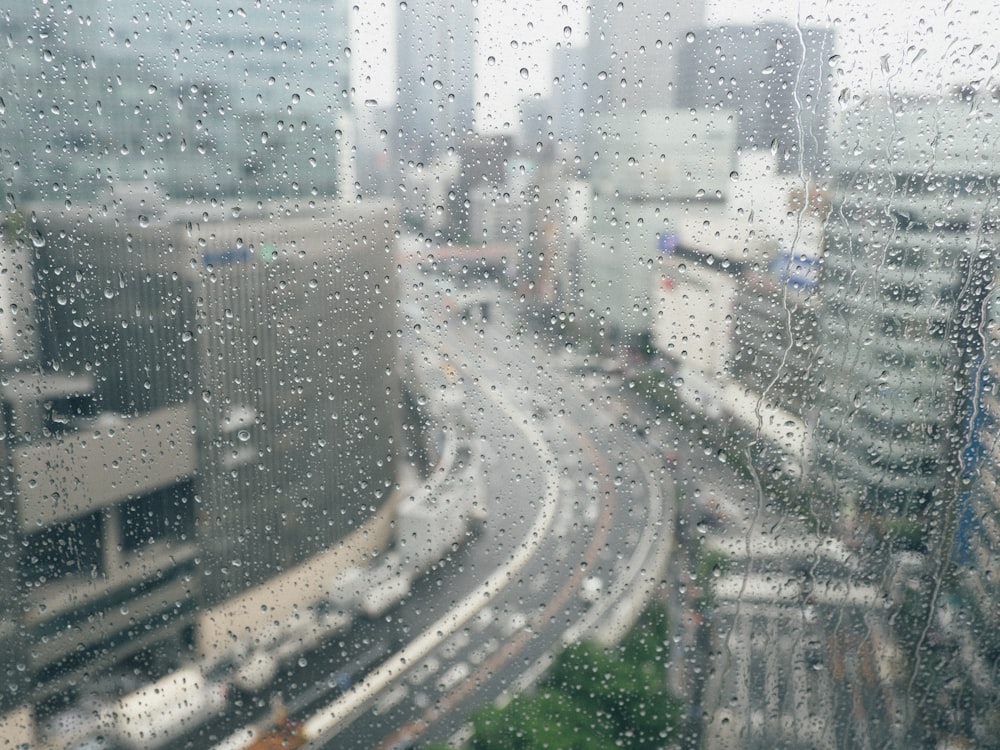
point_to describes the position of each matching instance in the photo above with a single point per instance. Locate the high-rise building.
(199, 410)
(436, 54)
(98, 466)
(774, 76)
(973, 613)
(635, 44)
(571, 102)
(904, 275)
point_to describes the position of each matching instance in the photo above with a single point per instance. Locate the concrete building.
(436, 53)
(774, 77)
(970, 614)
(903, 281)
(663, 155)
(734, 306)
(101, 463)
(648, 174)
(209, 412)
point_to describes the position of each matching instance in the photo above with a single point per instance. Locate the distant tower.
(436, 76)
(635, 45)
(774, 76)
(574, 75)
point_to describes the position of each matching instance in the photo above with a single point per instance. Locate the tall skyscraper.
(774, 77)
(436, 74)
(904, 277)
(636, 44)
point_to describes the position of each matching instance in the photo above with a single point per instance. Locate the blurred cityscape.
(213, 406)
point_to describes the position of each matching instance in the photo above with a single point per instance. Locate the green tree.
(546, 719)
(593, 698)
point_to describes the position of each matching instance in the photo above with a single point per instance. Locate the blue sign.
(798, 271)
(666, 242)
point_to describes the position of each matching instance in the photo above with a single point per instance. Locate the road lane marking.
(517, 643)
(326, 722)
(454, 675)
(455, 644)
(483, 652)
(484, 619)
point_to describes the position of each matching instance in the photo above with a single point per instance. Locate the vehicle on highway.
(592, 589)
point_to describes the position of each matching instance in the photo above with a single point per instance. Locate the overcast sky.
(905, 45)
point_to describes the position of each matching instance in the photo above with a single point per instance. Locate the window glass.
(445, 373)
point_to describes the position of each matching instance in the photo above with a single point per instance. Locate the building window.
(166, 514)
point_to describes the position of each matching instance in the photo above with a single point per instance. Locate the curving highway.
(577, 537)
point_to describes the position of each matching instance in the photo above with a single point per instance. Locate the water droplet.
(524, 72)
(491, 60)
(734, 175)
(243, 435)
(437, 85)
(690, 36)
(143, 221)
(567, 31)
(37, 239)
(206, 396)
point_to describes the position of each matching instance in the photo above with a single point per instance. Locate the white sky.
(906, 45)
